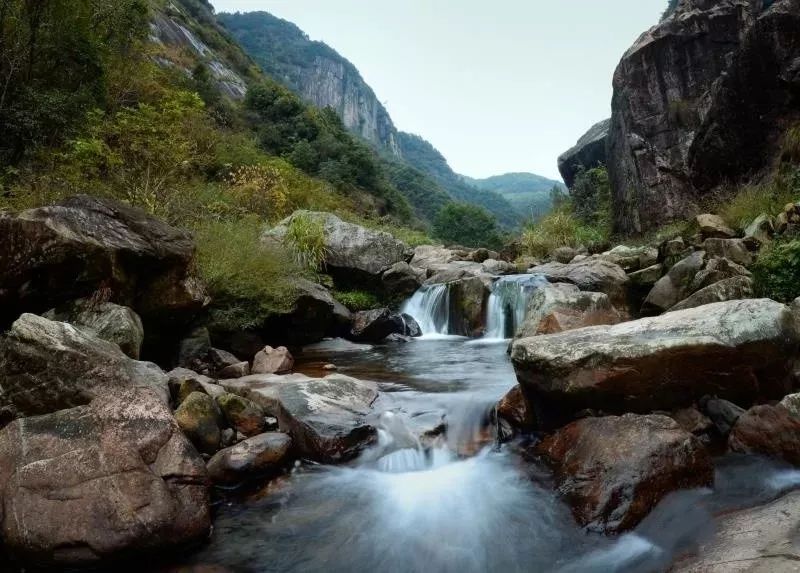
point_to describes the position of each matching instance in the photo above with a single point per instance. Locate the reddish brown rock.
(514, 409)
(255, 457)
(613, 471)
(768, 430)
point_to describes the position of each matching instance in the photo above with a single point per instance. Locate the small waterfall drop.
(508, 303)
(430, 307)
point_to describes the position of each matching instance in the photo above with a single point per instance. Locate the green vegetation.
(591, 198)
(777, 270)
(357, 300)
(529, 194)
(306, 239)
(467, 225)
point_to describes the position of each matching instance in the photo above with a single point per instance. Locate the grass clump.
(305, 237)
(777, 272)
(561, 228)
(248, 280)
(357, 300)
(753, 200)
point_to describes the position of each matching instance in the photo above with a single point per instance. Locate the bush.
(249, 281)
(591, 197)
(306, 239)
(467, 225)
(561, 228)
(357, 300)
(769, 198)
(777, 271)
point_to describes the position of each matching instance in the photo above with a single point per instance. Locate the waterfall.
(508, 302)
(430, 307)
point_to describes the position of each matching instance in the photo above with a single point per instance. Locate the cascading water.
(508, 302)
(430, 307)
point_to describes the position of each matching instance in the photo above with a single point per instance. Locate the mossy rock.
(242, 414)
(201, 421)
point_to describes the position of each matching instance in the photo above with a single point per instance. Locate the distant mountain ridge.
(527, 192)
(323, 77)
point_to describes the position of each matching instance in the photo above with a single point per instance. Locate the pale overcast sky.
(496, 86)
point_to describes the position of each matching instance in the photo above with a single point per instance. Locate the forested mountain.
(528, 193)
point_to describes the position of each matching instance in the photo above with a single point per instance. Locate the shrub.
(357, 300)
(561, 228)
(249, 281)
(791, 146)
(753, 200)
(777, 271)
(467, 225)
(591, 197)
(306, 239)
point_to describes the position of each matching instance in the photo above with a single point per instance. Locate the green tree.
(467, 225)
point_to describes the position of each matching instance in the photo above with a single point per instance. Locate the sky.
(497, 87)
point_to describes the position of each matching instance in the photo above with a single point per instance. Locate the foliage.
(790, 152)
(249, 281)
(531, 195)
(591, 197)
(561, 228)
(422, 191)
(467, 225)
(306, 239)
(357, 300)
(768, 198)
(777, 270)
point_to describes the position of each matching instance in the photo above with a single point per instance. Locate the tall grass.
(753, 200)
(561, 228)
(306, 239)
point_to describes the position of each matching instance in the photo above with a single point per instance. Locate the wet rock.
(180, 376)
(255, 457)
(692, 420)
(86, 246)
(273, 361)
(713, 227)
(758, 540)
(562, 307)
(732, 249)
(235, 370)
(402, 280)
(47, 366)
(514, 409)
(675, 285)
(242, 415)
(104, 320)
(468, 299)
(762, 229)
(410, 327)
(200, 419)
(613, 470)
(736, 288)
(194, 349)
(738, 350)
(792, 404)
(723, 414)
(397, 338)
(94, 484)
(373, 325)
(221, 359)
(327, 418)
(593, 275)
(767, 430)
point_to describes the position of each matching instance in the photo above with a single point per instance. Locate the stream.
(462, 504)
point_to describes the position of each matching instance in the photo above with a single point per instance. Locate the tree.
(467, 225)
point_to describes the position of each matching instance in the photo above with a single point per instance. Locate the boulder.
(242, 415)
(713, 227)
(561, 307)
(758, 540)
(410, 326)
(351, 251)
(95, 484)
(564, 255)
(767, 430)
(631, 258)
(221, 359)
(327, 418)
(374, 325)
(104, 320)
(272, 361)
(200, 419)
(612, 471)
(499, 268)
(235, 370)
(645, 279)
(178, 379)
(589, 152)
(732, 249)
(671, 251)
(762, 229)
(792, 404)
(194, 349)
(736, 288)
(401, 280)
(468, 298)
(738, 350)
(255, 457)
(717, 269)
(692, 420)
(87, 246)
(675, 285)
(594, 275)
(47, 366)
(514, 409)
(723, 414)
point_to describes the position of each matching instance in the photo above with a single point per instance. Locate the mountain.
(324, 78)
(528, 193)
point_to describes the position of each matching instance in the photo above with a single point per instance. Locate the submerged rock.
(327, 418)
(94, 484)
(47, 366)
(613, 470)
(738, 350)
(255, 457)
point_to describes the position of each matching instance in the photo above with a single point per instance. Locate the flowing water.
(507, 304)
(430, 307)
(460, 504)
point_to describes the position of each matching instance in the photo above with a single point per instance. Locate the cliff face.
(588, 152)
(316, 72)
(664, 90)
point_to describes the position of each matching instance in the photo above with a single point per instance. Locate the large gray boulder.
(560, 307)
(327, 418)
(349, 247)
(104, 320)
(87, 245)
(735, 288)
(738, 350)
(94, 484)
(675, 286)
(593, 275)
(587, 153)
(613, 470)
(47, 366)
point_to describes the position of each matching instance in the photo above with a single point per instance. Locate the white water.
(430, 307)
(508, 303)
